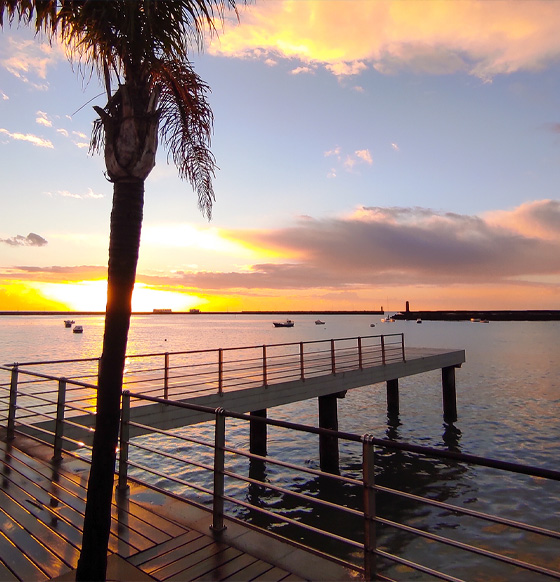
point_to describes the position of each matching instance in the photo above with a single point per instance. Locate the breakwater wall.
(494, 315)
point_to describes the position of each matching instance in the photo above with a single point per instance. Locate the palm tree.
(139, 48)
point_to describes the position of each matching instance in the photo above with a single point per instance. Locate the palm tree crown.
(141, 45)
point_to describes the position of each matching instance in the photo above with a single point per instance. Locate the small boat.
(287, 323)
(484, 321)
(319, 322)
(387, 319)
(78, 329)
(372, 324)
(418, 320)
(475, 319)
(68, 322)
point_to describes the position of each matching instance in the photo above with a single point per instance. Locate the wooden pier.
(275, 380)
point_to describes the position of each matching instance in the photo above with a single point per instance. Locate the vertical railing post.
(11, 428)
(402, 348)
(265, 379)
(219, 465)
(301, 362)
(123, 444)
(220, 371)
(166, 376)
(59, 422)
(368, 468)
(383, 350)
(333, 358)
(360, 361)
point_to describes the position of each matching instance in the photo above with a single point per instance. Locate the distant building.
(162, 311)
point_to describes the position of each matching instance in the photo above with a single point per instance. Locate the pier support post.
(449, 394)
(328, 445)
(393, 397)
(258, 434)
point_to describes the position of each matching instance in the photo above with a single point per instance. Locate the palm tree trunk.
(124, 245)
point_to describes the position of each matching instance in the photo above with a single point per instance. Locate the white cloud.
(300, 70)
(28, 137)
(90, 194)
(28, 60)
(334, 152)
(365, 156)
(42, 119)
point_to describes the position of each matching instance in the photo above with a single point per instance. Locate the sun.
(92, 296)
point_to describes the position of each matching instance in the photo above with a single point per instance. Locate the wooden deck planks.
(41, 517)
(207, 563)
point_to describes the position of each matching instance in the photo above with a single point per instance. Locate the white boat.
(68, 322)
(287, 323)
(387, 319)
(78, 329)
(319, 322)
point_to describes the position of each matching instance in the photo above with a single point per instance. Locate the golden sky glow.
(422, 35)
(367, 150)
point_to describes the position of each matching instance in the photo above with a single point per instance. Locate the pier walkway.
(246, 379)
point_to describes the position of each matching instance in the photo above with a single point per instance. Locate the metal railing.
(210, 470)
(354, 518)
(178, 375)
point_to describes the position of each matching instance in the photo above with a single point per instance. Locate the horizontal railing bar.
(50, 377)
(294, 522)
(170, 478)
(427, 451)
(307, 498)
(417, 567)
(308, 470)
(171, 434)
(174, 457)
(469, 548)
(470, 512)
(51, 362)
(9, 366)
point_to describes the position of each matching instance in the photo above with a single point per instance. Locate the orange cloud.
(433, 36)
(538, 219)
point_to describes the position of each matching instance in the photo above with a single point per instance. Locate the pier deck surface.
(257, 396)
(153, 536)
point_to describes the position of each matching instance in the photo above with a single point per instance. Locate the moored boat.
(78, 329)
(319, 322)
(287, 323)
(68, 322)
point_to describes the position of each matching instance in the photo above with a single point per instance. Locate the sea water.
(508, 400)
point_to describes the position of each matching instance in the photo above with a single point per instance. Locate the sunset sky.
(370, 152)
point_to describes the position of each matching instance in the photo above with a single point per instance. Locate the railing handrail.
(370, 517)
(210, 350)
(408, 447)
(49, 376)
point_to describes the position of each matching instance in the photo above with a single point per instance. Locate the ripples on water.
(508, 401)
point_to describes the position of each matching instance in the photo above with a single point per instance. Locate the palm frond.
(186, 123)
